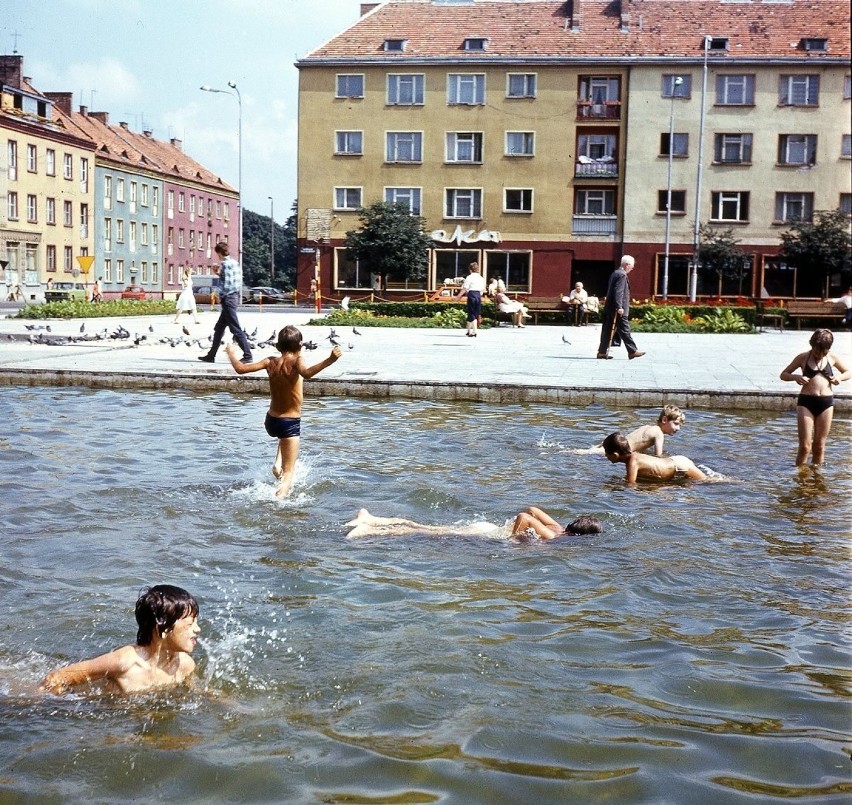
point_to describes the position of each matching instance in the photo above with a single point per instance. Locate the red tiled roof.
(530, 29)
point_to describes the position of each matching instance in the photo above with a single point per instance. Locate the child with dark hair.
(168, 626)
(284, 419)
(650, 468)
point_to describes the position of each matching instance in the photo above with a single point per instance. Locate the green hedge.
(92, 310)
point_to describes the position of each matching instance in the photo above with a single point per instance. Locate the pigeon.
(334, 341)
(355, 331)
(83, 327)
(139, 339)
(185, 330)
(254, 333)
(310, 345)
(332, 334)
(150, 328)
(565, 340)
(344, 303)
(351, 346)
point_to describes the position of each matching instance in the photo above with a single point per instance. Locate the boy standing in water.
(284, 419)
(168, 625)
(649, 468)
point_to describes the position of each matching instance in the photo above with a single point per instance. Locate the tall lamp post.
(676, 83)
(693, 279)
(272, 235)
(236, 94)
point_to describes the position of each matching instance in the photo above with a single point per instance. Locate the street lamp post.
(693, 279)
(677, 82)
(236, 94)
(272, 236)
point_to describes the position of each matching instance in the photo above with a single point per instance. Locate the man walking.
(231, 284)
(616, 310)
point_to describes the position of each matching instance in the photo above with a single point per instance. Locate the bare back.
(285, 385)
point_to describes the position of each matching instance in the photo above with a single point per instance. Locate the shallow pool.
(696, 652)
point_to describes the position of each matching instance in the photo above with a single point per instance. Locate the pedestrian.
(186, 300)
(231, 284)
(616, 311)
(472, 288)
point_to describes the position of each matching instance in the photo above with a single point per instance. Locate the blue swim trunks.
(283, 427)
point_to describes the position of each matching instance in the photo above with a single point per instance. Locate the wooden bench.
(544, 304)
(763, 316)
(799, 309)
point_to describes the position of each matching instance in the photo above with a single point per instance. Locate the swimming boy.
(651, 468)
(533, 519)
(284, 419)
(168, 625)
(669, 422)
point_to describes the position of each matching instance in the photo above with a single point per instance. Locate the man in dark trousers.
(616, 310)
(231, 278)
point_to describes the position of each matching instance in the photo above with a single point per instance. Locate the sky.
(143, 61)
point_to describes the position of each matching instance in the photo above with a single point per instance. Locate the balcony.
(604, 168)
(595, 225)
(606, 110)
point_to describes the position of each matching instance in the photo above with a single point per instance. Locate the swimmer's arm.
(632, 466)
(845, 371)
(244, 368)
(107, 666)
(310, 371)
(797, 363)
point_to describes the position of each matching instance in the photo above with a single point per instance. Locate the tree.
(720, 256)
(257, 265)
(391, 241)
(822, 248)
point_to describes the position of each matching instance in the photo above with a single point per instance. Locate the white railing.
(595, 225)
(607, 170)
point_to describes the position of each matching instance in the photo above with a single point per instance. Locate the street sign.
(85, 261)
(307, 250)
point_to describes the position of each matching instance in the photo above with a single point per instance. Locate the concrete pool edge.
(420, 389)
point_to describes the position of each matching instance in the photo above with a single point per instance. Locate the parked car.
(136, 292)
(66, 292)
(204, 294)
(267, 295)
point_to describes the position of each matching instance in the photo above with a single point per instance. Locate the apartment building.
(534, 136)
(46, 191)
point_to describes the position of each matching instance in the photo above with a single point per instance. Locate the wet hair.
(672, 413)
(222, 249)
(617, 443)
(289, 339)
(160, 607)
(585, 524)
(822, 339)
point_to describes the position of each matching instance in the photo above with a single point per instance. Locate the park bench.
(816, 309)
(544, 304)
(764, 316)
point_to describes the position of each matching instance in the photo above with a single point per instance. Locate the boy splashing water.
(168, 626)
(284, 419)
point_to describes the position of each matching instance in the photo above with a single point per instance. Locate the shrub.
(90, 310)
(722, 321)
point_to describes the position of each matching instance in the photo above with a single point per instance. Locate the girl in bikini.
(820, 369)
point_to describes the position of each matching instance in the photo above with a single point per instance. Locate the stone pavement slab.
(538, 363)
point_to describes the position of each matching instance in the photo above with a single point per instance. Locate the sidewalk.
(502, 364)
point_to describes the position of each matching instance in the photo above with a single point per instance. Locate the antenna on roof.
(16, 35)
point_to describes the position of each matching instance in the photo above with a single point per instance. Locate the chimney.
(10, 70)
(625, 22)
(366, 8)
(61, 100)
(123, 124)
(84, 110)
(149, 133)
(101, 117)
(177, 143)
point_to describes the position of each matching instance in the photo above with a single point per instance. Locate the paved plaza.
(544, 363)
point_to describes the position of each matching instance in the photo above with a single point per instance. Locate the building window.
(12, 159)
(847, 87)
(50, 162)
(674, 89)
(599, 97)
(466, 89)
(144, 196)
(119, 230)
(67, 214)
(594, 202)
(132, 244)
(155, 273)
(679, 145)
(395, 45)
(181, 236)
(475, 43)
(845, 204)
(347, 198)
(218, 208)
(84, 220)
(181, 202)
(119, 189)
(846, 146)
(463, 202)
(729, 206)
(32, 208)
(12, 205)
(107, 234)
(794, 207)
(32, 158)
(144, 272)
(84, 174)
(798, 90)
(512, 267)
(350, 85)
(732, 148)
(405, 89)
(404, 146)
(134, 190)
(797, 149)
(170, 203)
(50, 211)
(68, 166)
(678, 206)
(107, 192)
(143, 234)
(155, 235)
(348, 143)
(517, 200)
(67, 260)
(814, 44)
(108, 270)
(119, 271)
(408, 196)
(155, 200)
(520, 143)
(464, 147)
(735, 90)
(520, 85)
(51, 258)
